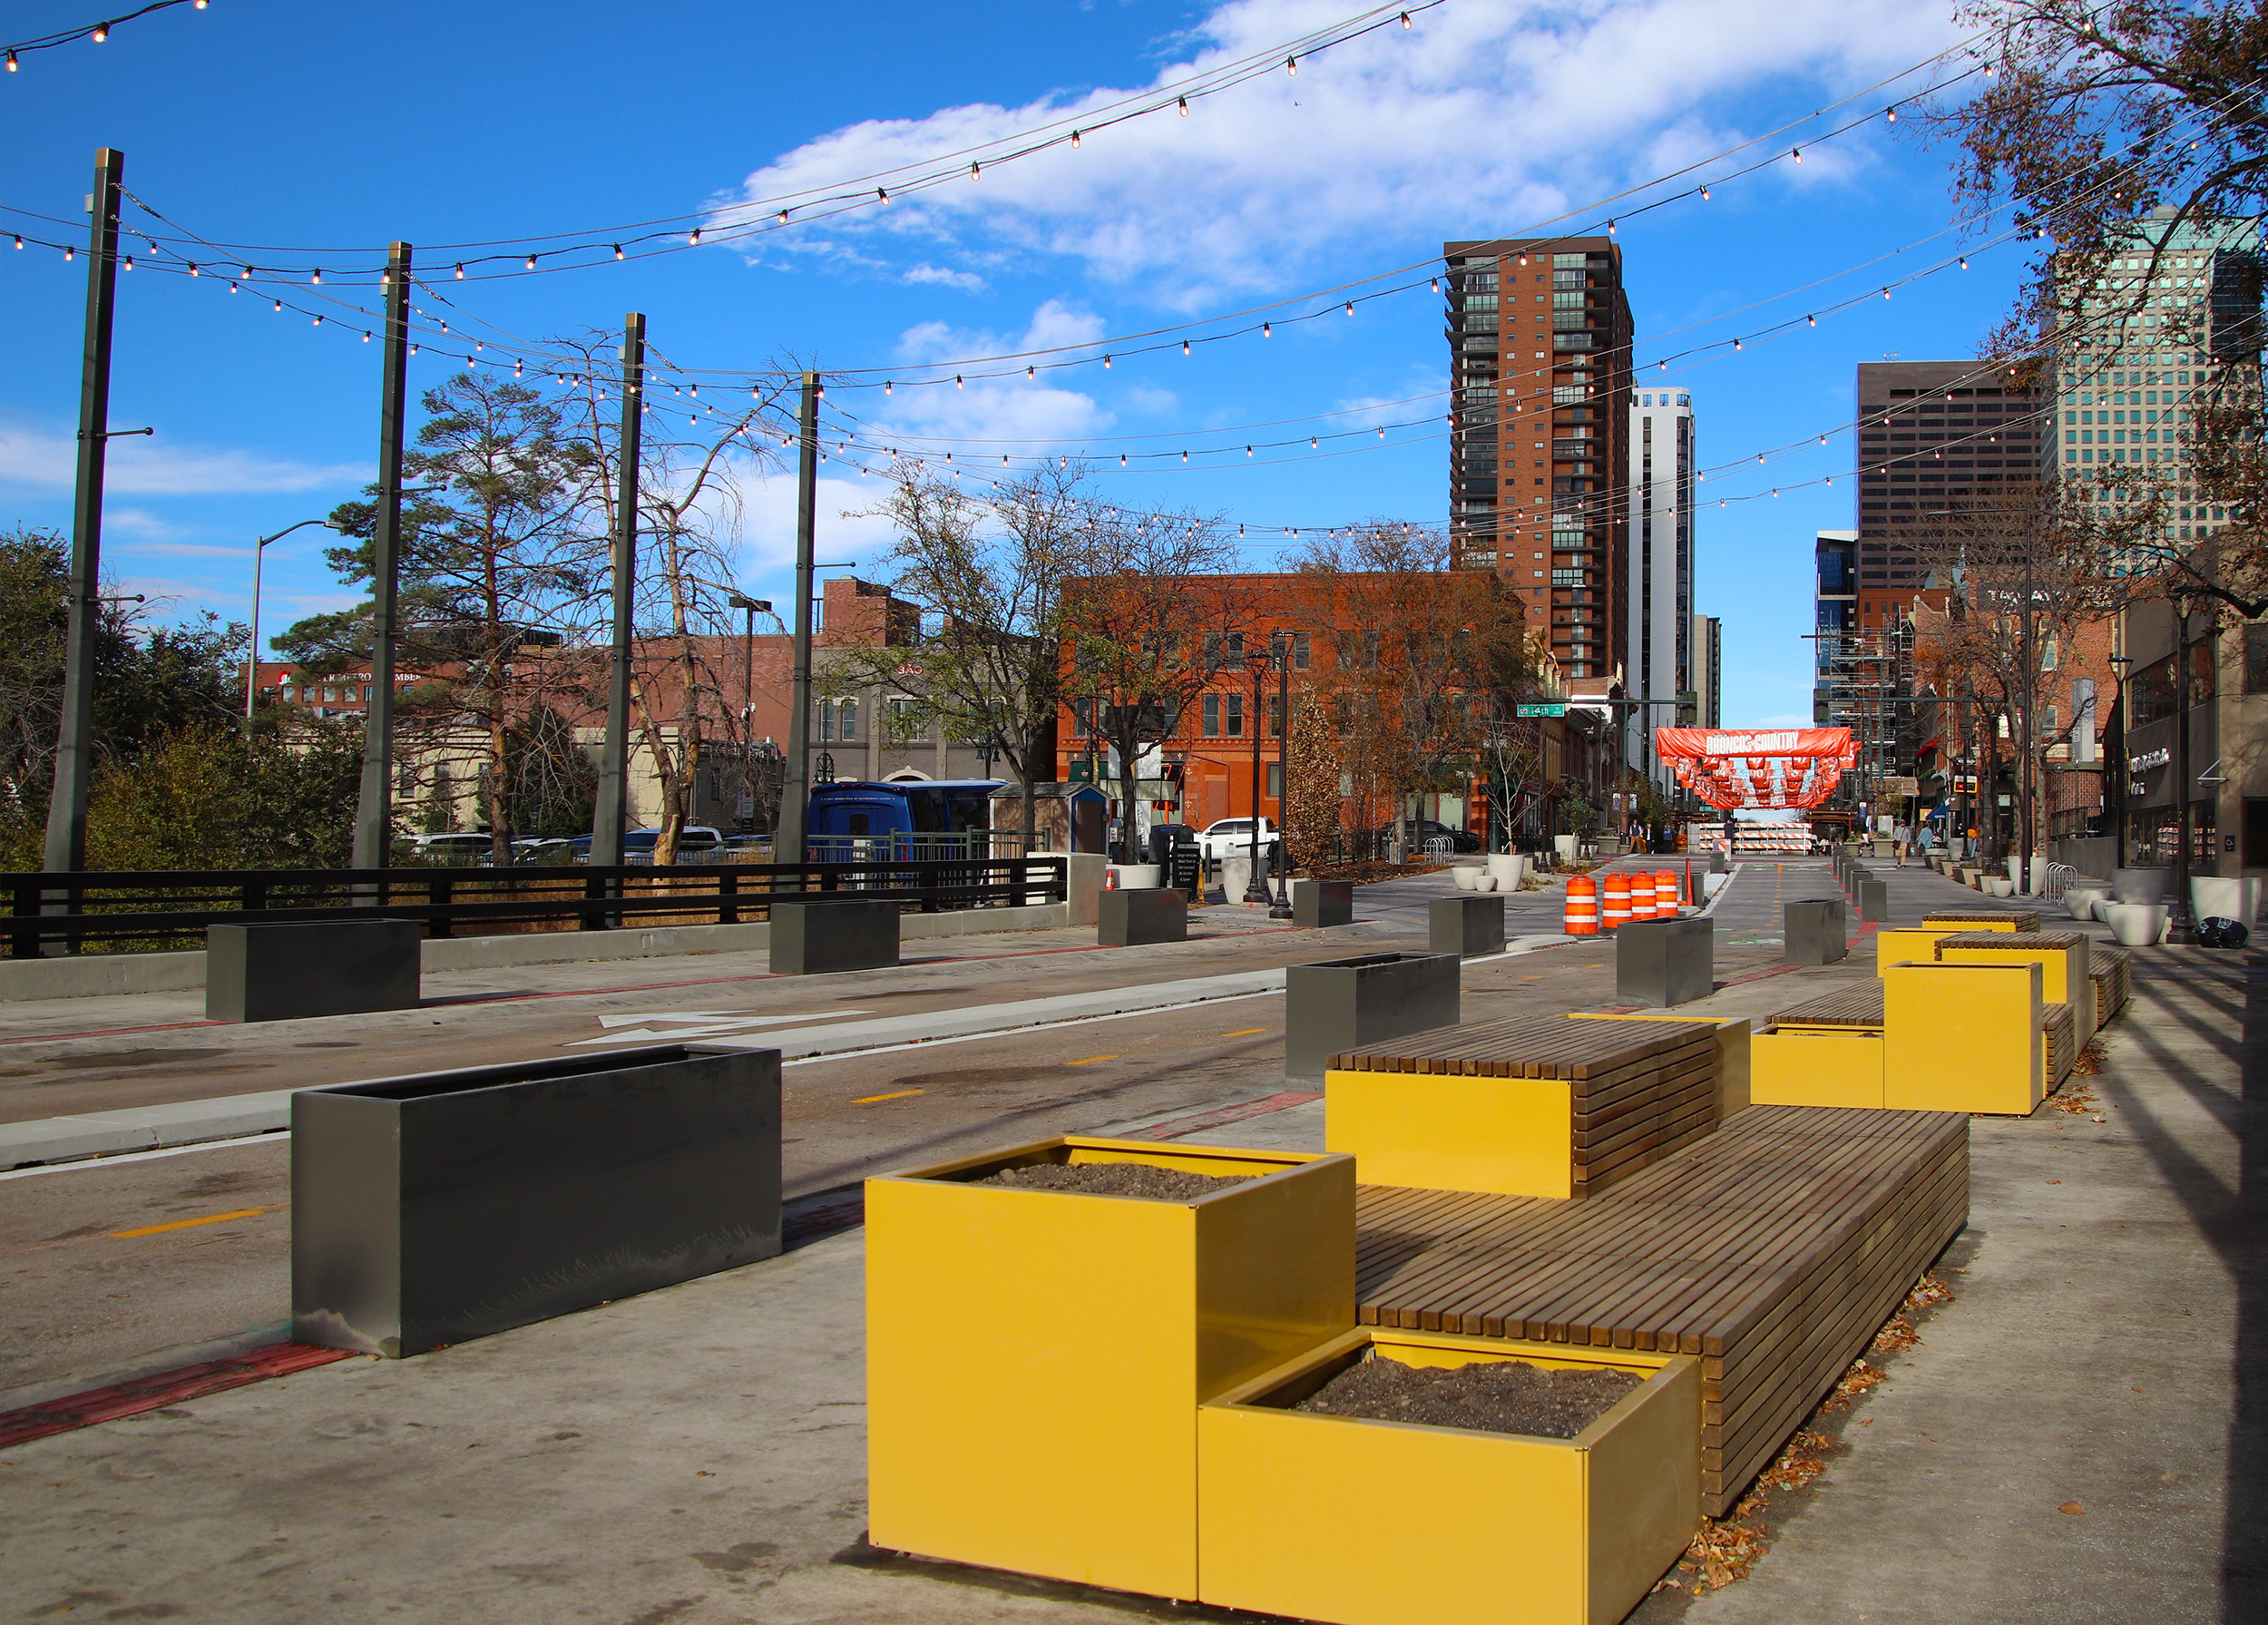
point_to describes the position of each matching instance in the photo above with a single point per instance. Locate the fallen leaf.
(2073, 1507)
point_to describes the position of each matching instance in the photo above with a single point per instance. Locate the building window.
(826, 721)
(1235, 716)
(846, 720)
(1212, 716)
(1275, 781)
(1275, 715)
(2255, 660)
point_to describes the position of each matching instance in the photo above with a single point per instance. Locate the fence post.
(727, 894)
(438, 889)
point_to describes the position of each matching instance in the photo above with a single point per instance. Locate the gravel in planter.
(1497, 1396)
(1114, 1179)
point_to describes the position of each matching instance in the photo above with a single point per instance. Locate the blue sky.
(338, 128)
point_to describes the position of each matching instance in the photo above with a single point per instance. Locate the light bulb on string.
(1405, 26)
(886, 389)
(1704, 194)
(1185, 106)
(1184, 459)
(279, 307)
(1121, 459)
(883, 193)
(693, 237)
(129, 262)
(530, 262)
(783, 216)
(1312, 444)
(1885, 293)
(1892, 114)
(975, 172)
(1291, 66)
(1796, 153)
(1106, 364)
(1268, 329)
(102, 31)
(11, 61)
(460, 273)
(1185, 346)
(1964, 262)
(66, 253)
(317, 278)
(618, 250)
(316, 322)
(1074, 138)
(19, 239)
(1350, 307)
(956, 381)
(1813, 321)
(1029, 373)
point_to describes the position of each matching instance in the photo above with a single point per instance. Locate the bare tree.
(1149, 631)
(990, 576)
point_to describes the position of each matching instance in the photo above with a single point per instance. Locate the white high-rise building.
(1658, 589)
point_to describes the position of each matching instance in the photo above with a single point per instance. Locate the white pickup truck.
(1232, 837)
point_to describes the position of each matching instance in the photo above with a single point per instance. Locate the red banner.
(1758, 768)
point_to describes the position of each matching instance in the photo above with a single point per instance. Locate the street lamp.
(1259, 663)
(747, 686)
(1280, 648)
(260, 552)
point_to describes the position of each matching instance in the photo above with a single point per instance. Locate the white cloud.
(1489, 114)
(967, 282)
(140, 466)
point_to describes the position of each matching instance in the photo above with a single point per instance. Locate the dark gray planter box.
(425, 1211)
(1873, 900)
(816, 932)
(1664, 961)
(280, 972)
(1340, 1004)
(1319, 903)
(1815, 931)
(1129, 918)
(1467, 927)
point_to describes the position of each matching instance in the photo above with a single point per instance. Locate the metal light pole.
(610, 811)
(2181, 927)
(75, 744)
(1256, 889)
(260, 552)
(748, 676)
(795, 796)
(1282, 908)
(373, 808)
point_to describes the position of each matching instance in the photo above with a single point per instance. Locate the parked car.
(697, 842)
(1232, 837)
(1416, 832)
(544, 849)
(453, 849)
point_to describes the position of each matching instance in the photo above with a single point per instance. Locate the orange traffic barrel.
(1666, 893)
(1641, 896)
(1617, 909)
(1582, 906)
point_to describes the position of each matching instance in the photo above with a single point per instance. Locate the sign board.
(1895, 786)
(1542, 710)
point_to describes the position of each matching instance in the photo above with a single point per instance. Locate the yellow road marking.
(1246, 1033)
(184, 1224)
(897, 1095)
(1093, 1059)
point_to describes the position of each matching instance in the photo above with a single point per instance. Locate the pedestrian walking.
(1901, 836)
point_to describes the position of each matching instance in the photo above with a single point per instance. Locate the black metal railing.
(128, 910)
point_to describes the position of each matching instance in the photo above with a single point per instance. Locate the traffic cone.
(1617, 909)
(1582, 906)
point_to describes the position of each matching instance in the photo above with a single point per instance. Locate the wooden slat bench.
(2021, 920)
(1635, 1090)
(1860, 1009)
(2112, 973)
(1773, 1249)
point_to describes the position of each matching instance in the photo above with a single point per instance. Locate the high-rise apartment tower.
(1708, 671)
(1539, 360)
(1658, 591)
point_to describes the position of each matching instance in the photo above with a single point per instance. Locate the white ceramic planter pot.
(1509, 868)
(2001, 888)
(2135, 925)
(1135, 877)
(2137, 885)
(2081, 900)
(1481, 883)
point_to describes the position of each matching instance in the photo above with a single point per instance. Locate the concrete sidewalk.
(696, 1455)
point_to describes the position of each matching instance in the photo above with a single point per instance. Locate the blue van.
(857, 821)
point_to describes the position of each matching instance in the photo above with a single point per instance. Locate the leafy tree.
(149, 682)
(1311, 803)
(495, 567)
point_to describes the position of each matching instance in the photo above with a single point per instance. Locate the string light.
(1185, 106)
(530, 262)
(1704, 194)
(317, 277)
(460, 272)
(129, 262)
(1291, 66)
(1891, 112)
(693, 237)
(883, 193)
(1798, 154)
(1185, 343)
(1350, 307)
(1268, 329)
(101, 32)
(618, 250)
(1074, 141)
(1405, 25)
(975, 172)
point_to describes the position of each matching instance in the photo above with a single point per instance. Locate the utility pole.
(75, 744)
(373, 811)
(606, 826)
(2181, 924)
(788, 846)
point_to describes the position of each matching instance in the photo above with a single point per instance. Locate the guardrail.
(170, 908)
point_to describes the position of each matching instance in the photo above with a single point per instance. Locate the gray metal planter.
(1319, 903)
(1467, 927)
(814, 933)
(281, 972)
(425, 1211)
(1814, 932)
(1873, 900)
(1666, 961)
(1340, 1004)
(1129, 919)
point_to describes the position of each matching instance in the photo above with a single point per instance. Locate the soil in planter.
(1497, 1396)
(1114, 1179)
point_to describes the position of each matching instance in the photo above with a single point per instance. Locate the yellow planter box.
(1962, 1037)
(1817, 1066)
(2065, 978)
(1899, 946)
(1361, 1522)
(1035, 1358)
(1732, 1051)
(1449, 1131)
